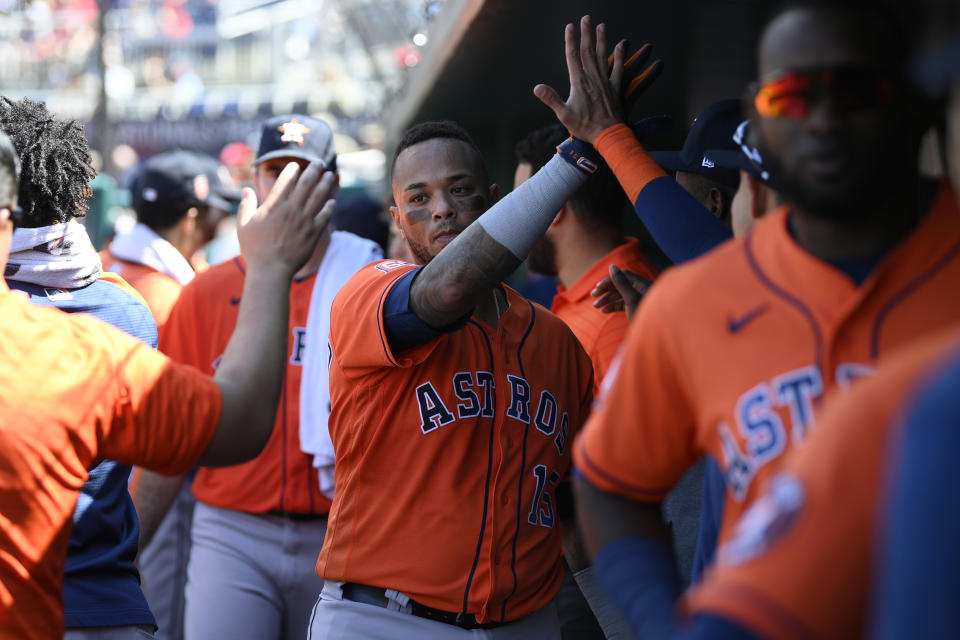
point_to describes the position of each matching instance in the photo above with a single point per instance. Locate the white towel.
(142, 245)
(345, 256)
(58, 255)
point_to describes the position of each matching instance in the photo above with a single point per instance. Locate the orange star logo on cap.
(293, 131)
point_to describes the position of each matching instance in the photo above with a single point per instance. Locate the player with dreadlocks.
(56, 164)
(53, 261)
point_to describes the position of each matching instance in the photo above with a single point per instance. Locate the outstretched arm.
(451, 285)
(682, 226)
(678, 222)
(276, 239)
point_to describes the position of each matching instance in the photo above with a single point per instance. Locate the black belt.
(378, 597)
(298, 517)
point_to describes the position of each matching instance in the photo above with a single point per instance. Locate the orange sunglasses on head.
(794, 93)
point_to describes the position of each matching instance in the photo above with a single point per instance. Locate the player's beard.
(419, 251)
(543, 258)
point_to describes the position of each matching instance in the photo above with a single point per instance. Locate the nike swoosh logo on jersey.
(234, 301)
(736, 324)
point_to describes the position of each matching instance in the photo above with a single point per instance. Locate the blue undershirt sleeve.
(683, 227)
(704, 627)
(711, 515)
(640, 576)
(404, 328)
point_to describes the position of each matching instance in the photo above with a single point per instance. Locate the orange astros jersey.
(158, 289)
(74, 391)
(600, 333)
(731, 354)
(449, 453)
(282, 477)
(799, 564)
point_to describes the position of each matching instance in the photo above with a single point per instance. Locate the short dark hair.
(9, 171)
(600, 200)
(56, 164)
(431, 130)
(890, 36)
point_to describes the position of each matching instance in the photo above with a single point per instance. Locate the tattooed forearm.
(450, 286)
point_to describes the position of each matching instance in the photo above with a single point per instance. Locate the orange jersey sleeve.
(165, 413)
(627, 158)
(356, 321)
(641, 435)
(798, 564)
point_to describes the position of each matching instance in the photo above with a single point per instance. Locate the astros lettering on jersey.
(799, 563)
(449, 453)
(730, 355)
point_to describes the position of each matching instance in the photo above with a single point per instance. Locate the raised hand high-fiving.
(598, 97)
(284, 230)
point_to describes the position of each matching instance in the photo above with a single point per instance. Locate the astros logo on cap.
(293, 132)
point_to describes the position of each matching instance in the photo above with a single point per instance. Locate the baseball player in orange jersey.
(478, 389)
(108, 395)
(800, 562)
(585, 238)
(473, 404)
(582, 242)
(730, 354)
(868, 502)
(258, 527)
(52, 261)
(170, 196)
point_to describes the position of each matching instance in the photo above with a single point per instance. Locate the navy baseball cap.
(935, 71)
(167, 185)
(297, 136)
(713, 129)
(745, 157)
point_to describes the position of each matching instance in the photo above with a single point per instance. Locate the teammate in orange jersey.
(477, 391)
(170, 196)
(442, 366)
(578, 248)
(818, 516)
(731, 354)
(581, 244)
(54, 263)
(75, 390)
(242, 582)
(868, 501)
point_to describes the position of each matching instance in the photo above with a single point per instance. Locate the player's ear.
(395, 214)
(562, 215)
(494, 193)
(759, 195)
(715, 202)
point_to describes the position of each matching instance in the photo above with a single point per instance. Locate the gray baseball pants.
(251, 576)
(337, 619)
